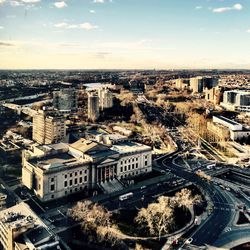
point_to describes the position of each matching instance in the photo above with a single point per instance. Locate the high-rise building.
(182, 83)
(105, 98)
(93, 106)
(196, 84)
(199, 84)
(48, 127)
(65, 100)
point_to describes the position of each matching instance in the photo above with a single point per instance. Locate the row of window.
(129, 167)
(76, 182)
(75, 173)
(70, 183)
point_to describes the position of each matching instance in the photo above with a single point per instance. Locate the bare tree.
(184, 198)
(95, 220)
(157, 217)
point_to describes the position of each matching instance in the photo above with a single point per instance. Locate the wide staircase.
(111, 186)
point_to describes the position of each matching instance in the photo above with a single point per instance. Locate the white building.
(237, 131)
(105, 98)
(236, 100)
(58, 170)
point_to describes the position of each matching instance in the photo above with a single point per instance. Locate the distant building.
(236, 100)
(55, 171)
(65, 100)
(214, 95)
(48, 127)
(199, 84)
(93, 106)
(105, 98)
(182, 83)
(22, 229)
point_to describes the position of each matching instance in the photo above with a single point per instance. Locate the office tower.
(105, 98)
(93, 106)
(48, 127)
(65, 100)
(196, 84)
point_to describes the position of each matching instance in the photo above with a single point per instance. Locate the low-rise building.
(236, 130)
(54, 171)
(22, 229)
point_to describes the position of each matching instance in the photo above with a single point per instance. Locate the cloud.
(1, 27)
(16, 3)
(248, 31)
(236, 6)
(102, 1)
(2, 1)
(198, 7)
(85, 26)
(60, 5)
(4, 44)
(92, 11)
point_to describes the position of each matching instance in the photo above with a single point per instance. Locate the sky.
(124, 34)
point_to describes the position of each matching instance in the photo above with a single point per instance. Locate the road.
(223, 213)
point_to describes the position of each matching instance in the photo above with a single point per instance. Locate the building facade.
(105, 98)
(93, 106)
(48, 127)
(236, 100)
(55, 171)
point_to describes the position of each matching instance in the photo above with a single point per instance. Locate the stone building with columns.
(57, 170)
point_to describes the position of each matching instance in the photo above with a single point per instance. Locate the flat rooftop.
(56, 161)
(228, 120)
(129, 147)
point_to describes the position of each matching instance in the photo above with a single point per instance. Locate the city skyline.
(124, 34)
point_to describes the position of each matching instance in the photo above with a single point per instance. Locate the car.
(189, 241)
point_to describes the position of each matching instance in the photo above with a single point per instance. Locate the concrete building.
(48, 127)
(199, 84)
(105, 98)
(236, 100)
(22, 229)
(214, 95)
(58, 170)
(93, 106)
(196, 84)
(236, 130)
(182, 83)
(65, 100)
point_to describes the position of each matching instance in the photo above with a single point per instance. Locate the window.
(52, 179)
(85, 178)
(75, 173)
(125, 168)
(80, 172)
(52, 187)
(65, 192)
(65, 184)
(86, 171)
(70, 175)
(146, 163)
(70, 182)
(128, 167)
(121, 169)
(133, 166)
(80, 180)
(75, 181)
(52, 196)
(136, 165)
(65, 176)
